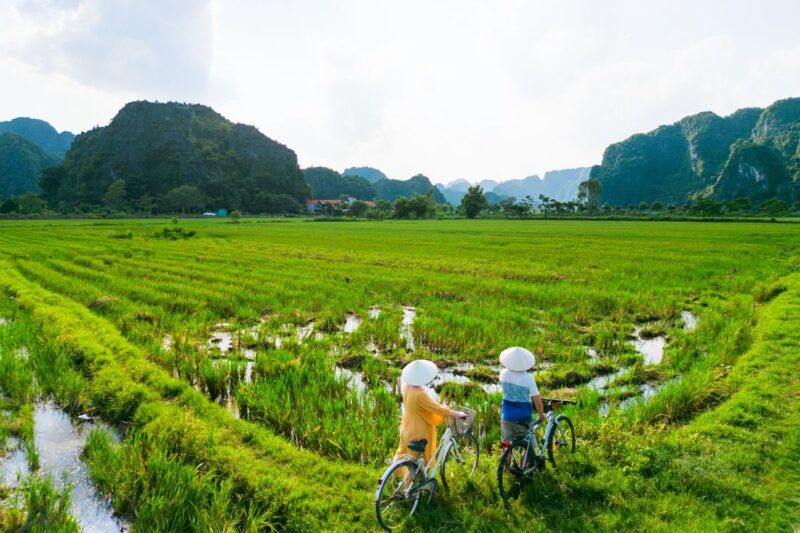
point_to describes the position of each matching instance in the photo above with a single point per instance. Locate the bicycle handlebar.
(559, 400)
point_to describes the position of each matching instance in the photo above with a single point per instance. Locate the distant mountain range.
(161, 156)
(40, 133)
(327, 184)
(390, 189)
(368, 173)
(559, 184)
(28, 146)
(21, 165)
(752, 153)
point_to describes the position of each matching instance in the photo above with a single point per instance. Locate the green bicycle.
(521, 459)
(407, 477)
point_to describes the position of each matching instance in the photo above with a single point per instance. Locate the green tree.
(643, 206)
(359, 208)
(274, 204)
(589, 194)
(546, 204)
(30, 204)
(9, 206)
(51, 183)
(235, 216)
(774, 206)
(145, 203)
(474, 201)
(656, 206)
(743, 203)
(383, 208)
(184, 198)
(706, 207)
(421, 206)
(402, 208)
(606, 208)
(114, 199)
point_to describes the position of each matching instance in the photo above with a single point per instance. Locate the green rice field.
(245, 376)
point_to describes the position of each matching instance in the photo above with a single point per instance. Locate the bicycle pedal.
(434, 486)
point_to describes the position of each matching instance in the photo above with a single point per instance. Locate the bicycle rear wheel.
(460, 461)
(395, 499)
(562, 439)
(513, 472)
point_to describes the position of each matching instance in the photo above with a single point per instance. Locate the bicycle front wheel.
(460, 461)
(514, 470)
(395, 499)
(562, 439)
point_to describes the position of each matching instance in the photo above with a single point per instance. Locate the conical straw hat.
(516, 358)
(419, 372)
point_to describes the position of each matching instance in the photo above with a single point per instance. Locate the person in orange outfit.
(421, 413)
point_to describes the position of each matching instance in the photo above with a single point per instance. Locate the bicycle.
(407, 477)
(521, 459)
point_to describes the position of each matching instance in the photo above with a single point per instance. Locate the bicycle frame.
(531, 436)
(432, 468)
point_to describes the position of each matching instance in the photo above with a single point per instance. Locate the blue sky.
(452, 89)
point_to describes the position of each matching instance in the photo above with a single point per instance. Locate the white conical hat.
(419, 372)
(516, 358)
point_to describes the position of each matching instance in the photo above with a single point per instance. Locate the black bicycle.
(521, 459)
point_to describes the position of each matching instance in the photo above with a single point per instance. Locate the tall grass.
(163, 492)
(39, 506)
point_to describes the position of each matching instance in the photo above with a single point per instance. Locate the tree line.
(186, 199)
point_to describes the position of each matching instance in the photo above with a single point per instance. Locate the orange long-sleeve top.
(421, 415)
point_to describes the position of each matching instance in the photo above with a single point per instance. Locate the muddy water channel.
(652, 351)
(60, 443)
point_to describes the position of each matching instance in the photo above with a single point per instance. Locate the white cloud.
(452, 88)
(161, 49)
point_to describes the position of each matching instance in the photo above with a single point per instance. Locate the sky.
(449, 88)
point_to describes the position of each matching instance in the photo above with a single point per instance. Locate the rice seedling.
(125, 328)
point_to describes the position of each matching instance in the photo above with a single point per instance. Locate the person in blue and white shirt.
(520, 394)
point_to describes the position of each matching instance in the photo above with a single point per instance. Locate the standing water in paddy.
(60, 444)
(651, 349)
(14, 464)
(689, 320)
(352, 323)
(406, 332)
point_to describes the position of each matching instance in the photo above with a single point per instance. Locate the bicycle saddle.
(418, 445)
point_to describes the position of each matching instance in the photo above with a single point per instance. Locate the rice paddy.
(252, 369)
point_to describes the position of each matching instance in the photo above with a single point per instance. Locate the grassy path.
(737, 465)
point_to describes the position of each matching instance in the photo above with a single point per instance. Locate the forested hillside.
(327, 183)
(368, 173)
(21, 163)
(40, 133)
(752, 153)
(393, 189)
(176, 157)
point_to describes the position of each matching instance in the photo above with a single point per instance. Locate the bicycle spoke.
(460, 461)
(396, 499)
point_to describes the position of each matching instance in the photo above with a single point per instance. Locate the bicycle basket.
(461, 427)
